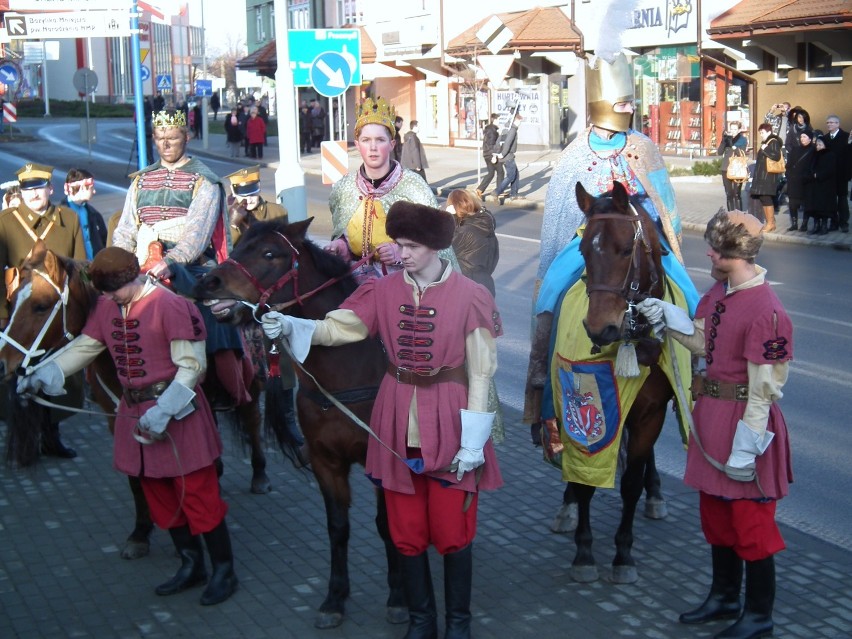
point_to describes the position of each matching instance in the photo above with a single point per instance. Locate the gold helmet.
(607, 84)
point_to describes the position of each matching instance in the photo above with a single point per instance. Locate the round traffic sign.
(10, 75)
(85, 81)
(146, 73)
(330, 74)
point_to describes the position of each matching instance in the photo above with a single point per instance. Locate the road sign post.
(86, 82)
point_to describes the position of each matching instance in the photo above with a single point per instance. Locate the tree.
(223, 64)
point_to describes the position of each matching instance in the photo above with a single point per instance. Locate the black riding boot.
(223, 582)
(191, 571)
(794, 223)
(420, 597)
(723, 602)
(458, 576)
(52, 446)
(756, 618)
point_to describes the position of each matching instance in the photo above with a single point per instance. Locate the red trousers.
(192, 500)
(432, 515)
(747, 526)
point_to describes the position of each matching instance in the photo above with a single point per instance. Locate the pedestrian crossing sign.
(164, 82)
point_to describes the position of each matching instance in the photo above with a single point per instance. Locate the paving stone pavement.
(62, 525)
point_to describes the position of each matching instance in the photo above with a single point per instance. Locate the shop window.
(818, 63)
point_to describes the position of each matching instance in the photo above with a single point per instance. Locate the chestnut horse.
(48, 309)
(276, 266)
(622, 253)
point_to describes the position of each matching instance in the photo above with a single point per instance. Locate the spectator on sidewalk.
(79, 189)
(233, 132)
(490, 148)
(197, 131)
(305, 129)
(215, 105)
(243, 120)
(317, 123)
(840, 143)
(507, 157)
(11, 194)
(413, 155)
(733, 140)
(474, 241)
(800, 121)
(397, 138)
(255, 133)
(799, 169)
(764, 185)
(778, 118)
(820, 193)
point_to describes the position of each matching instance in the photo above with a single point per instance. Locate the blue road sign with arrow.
(331, 74)
(9, 74)
(146, 73)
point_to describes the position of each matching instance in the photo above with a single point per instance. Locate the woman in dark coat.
(732, 139)
(764, 184)
(820, 195)
(799, 168)
(474, 241)
(800, 121)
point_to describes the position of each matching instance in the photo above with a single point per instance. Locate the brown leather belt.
(146, 393)
(410, 376)
(719, 390)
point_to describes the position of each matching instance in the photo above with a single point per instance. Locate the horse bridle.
(62, 303)
(292, 274)
(629, 290)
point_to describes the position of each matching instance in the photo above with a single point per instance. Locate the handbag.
(776, 166)
(737, 167)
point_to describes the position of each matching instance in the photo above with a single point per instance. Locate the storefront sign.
(662, 21)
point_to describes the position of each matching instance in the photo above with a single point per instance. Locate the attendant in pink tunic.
(439, 330)
(164, 430)
(739, 454)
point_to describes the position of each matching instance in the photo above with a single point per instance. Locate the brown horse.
(622, 254)
(275, 266)
(49, 308)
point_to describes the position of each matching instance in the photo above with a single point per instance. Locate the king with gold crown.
(360, 200)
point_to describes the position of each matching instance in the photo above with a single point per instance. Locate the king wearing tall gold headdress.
(165, 119)
(376, 111)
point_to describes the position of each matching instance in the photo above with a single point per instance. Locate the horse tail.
(279, 420)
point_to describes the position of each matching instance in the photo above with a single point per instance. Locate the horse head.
(274, 266)
(47, 309)
(622, 253)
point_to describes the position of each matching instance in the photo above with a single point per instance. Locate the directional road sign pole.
(289, 176)
(142, 148)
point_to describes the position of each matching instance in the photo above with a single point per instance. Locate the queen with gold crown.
(360, 201)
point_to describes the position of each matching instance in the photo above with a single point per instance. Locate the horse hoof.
(656, 508)
(261, 485)
(566, 519)
(326, 620)
(135, 549)
(397, 615)
(584, 574)
(624, 574)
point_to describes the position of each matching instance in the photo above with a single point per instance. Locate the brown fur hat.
(113, 268)
(735, 234)
(422, 224)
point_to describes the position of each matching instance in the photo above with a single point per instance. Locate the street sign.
(330, 74)
(307, 44)
(83, 24)
(10, 112)
(10, 74)
(203, 87)
(146, 73)
(85, 81)
(164, 82)
(66, 5)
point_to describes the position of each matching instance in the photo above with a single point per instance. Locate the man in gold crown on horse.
(175, 221)
(360, 200)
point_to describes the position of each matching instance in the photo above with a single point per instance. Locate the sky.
(224, 26)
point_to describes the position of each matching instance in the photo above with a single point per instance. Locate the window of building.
(348, 12)
(260, 34)
(772, 63)
(272, 22)
(299, 15)
(818, 63)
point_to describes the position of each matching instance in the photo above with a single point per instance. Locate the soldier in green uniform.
(246, 204)
(35, 218)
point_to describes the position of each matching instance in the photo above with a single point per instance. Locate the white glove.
(295, 330)
(476, 429)
(47, 377)
(174, 403)
(660, 312)
(748, 444)
(277, 325)
(494, 159)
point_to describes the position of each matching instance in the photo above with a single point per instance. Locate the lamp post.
(205, 122)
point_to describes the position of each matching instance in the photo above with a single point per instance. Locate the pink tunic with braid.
(749, 325)
(426, 336)
(140, 345)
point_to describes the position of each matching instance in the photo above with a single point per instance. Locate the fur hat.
(113, 268)
(422, 224)
(734, 234)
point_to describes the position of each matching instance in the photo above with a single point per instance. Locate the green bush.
(712, 167)
(73, 109)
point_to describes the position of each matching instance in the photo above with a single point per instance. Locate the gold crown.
(166, 118)
(376, 112)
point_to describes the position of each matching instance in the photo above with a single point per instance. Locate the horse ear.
(583, 198)
(620, 197)
(300, 229)
(38, 252)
